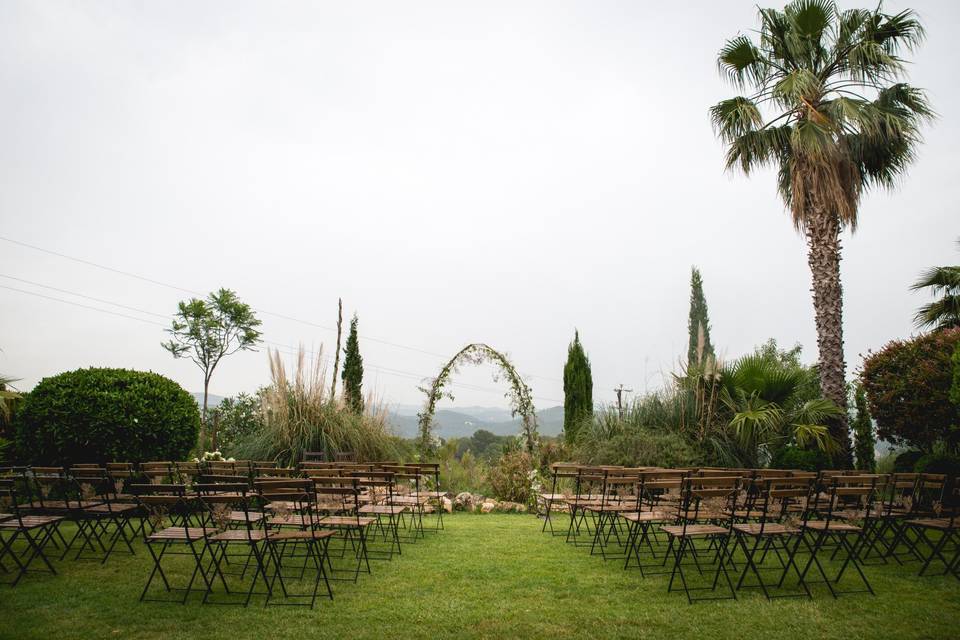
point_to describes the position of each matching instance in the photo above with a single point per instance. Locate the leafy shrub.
(644, 448)
(803, 459)
(510, 477)
(908, 390)
(236, 418)
(467, 473)
(941, 462)
(906, 461)
(99, 415)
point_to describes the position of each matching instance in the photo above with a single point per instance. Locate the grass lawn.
(486, 576)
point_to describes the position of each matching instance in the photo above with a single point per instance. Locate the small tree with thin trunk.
(353, 370)
(698, 325)
(577, 389)
(206, 331)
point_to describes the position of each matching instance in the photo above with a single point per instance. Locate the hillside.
(460, 423)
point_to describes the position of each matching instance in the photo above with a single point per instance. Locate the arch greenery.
(521, 400)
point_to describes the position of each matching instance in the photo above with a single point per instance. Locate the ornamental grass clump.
(298, 415)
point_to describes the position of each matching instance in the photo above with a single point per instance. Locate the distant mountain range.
(212, 400)
(453, 423)
(462, 422)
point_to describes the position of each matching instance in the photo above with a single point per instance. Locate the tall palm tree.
(943, 313)
(826, 106)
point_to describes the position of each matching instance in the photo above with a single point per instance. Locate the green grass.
(486, 576)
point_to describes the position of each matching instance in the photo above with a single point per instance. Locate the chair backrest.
(47, 484)
(9, 500)
(712, 497)
(187, 472)
(852, 494)
(158, 472)
(162, 501)
(222, 500)
(296, 492)
(341, 494)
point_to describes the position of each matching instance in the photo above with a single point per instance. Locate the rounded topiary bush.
(102, 415)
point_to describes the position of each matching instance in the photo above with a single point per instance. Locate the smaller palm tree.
(768, 407)
(944, 312)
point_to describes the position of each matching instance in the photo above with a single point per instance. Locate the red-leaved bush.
(908, 390)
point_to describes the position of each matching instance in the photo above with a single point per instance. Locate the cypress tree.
(864, 440)
(699, 322)
(577, 389)
(353, 370)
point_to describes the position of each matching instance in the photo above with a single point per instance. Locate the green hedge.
(99, 415)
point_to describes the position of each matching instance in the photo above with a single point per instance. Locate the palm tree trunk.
(823, 241)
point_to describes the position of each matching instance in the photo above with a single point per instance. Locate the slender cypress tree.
(863, 439)
(699, 322)
(577, 389)
(353, 370)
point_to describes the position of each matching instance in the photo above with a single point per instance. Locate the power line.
(159, 283)
(284, 348)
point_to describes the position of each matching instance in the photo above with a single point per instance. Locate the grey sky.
(499, 172)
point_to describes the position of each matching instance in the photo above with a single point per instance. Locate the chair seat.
(554, 497)
(292, 520)
(29, 522)
(850, 514)
(410, 500)
(646, 516)
(111, 508)
(301, 535)
(283, 505)
(768, 529)
(238, 535)
(383, 509)
(346, 521)
(179, 533)
(693, 530)
(941, 524)
(612, 508)
(249, 516)
(63, 505)
(823, 525)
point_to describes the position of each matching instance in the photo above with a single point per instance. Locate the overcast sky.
(497, 172)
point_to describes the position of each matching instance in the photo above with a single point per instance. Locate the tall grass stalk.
(299, 415)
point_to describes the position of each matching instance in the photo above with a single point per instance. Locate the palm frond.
(735, 117)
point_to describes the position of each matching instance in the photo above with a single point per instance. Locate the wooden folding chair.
(379, 485)
(37, 531)
(763, 528)
(944, 525)
(846, 494)
(229, 512)
(341, 497)
(172, 531)
(295, 538)
(706, 514)
(659, 503)
(560, 473)
(99, 514)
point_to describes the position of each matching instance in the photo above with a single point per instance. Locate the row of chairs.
(742, 525)
(203, 511)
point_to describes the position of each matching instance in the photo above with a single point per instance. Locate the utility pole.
(336, 359)
(620, 391)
